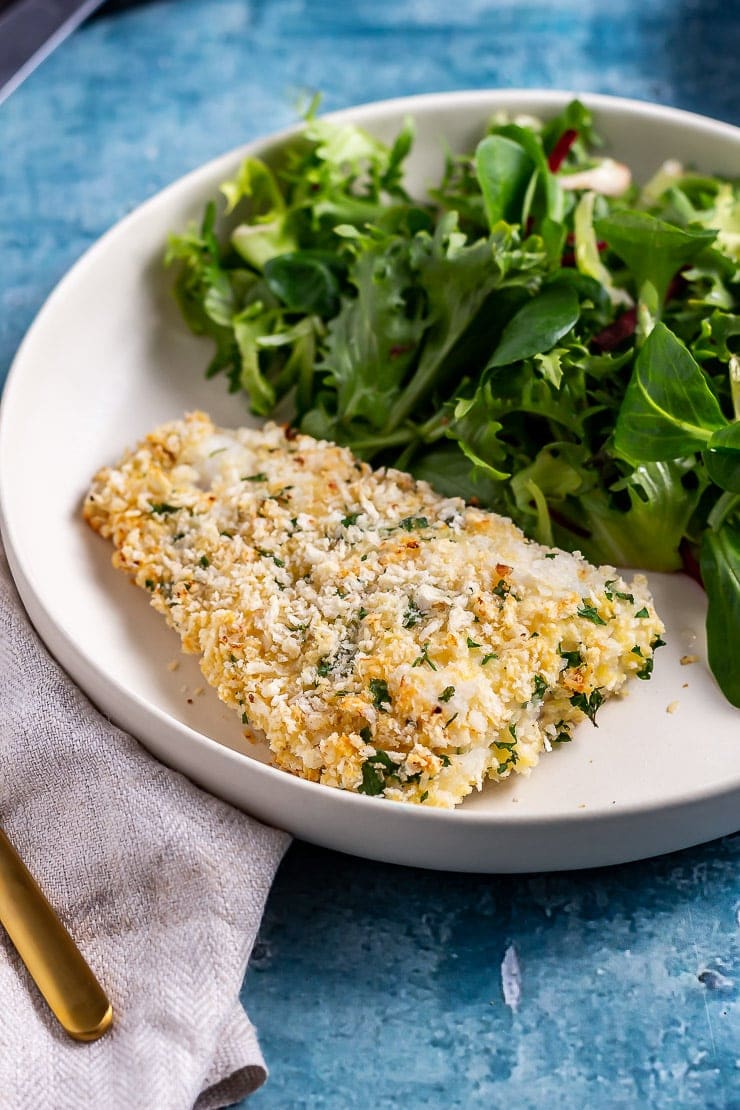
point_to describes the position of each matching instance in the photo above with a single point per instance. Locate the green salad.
(537, 334)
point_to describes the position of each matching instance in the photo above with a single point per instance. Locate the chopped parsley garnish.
(149, 584)
(232, 657)
(270, 555)
(551, 555)
(424, 658)
(611, 594)
(261, 477)
(362, 613)
(450, 720)
(376, 770)
(509, 747)
(574, 658)
(162, 507)
(588, 704)
(563, 735)
(373, 783)
(412, 615)
(324, 667)
(424, 796)
(590, 613)
(282, 496)
(350, 519)
(487, 658)
(642, 613)
(379, 691)
(204, 561)
(445, 759)
(646, 670)
(409, 523)
(181, 535)
(447, 693)
(502, 588)
(245, 719)
(365, 734)
(540, 687)
(472, 643)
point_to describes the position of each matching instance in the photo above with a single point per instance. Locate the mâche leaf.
(722, 457)
(503, 169)
(537, 326)
(543, 185)
(668, 410)
(305, 281)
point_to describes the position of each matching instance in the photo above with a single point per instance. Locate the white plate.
(108, 358)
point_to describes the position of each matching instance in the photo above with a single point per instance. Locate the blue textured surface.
(373, 985)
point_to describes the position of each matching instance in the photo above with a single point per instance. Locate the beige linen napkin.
(161, 885)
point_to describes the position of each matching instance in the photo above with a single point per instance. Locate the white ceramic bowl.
(108, 358)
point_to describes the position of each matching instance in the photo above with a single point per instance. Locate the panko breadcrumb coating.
(382, 638)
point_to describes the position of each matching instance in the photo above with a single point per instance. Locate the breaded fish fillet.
(384, 639)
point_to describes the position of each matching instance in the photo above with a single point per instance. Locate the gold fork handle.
(55, 963)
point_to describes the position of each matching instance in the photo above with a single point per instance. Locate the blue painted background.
(372, 985)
